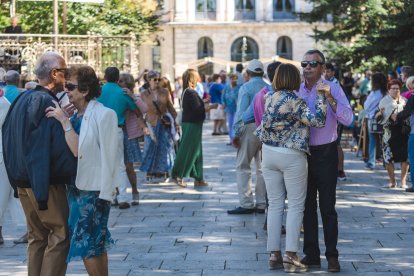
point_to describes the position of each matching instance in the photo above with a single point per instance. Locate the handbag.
(164, 119)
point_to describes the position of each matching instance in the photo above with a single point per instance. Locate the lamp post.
(244, 49)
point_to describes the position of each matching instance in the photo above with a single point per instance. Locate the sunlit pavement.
(186, 231)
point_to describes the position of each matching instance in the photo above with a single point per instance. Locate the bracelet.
(68, 129)
(333, 103)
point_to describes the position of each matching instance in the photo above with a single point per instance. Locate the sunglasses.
(71, 86)
(312, 63)
(155, 79)
(61, 69)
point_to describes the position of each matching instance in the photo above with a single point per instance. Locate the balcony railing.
(20, 51)
(209, 15)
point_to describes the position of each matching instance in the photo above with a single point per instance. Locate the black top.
(193, 107)
(13, 30)
(35, 151)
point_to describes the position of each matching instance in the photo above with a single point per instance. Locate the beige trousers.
(250, 147)
(48, 232)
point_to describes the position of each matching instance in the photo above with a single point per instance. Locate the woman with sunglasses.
(91, 134)
(285, 132)
(159, 154)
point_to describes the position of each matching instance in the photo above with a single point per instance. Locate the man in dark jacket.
(39, 163)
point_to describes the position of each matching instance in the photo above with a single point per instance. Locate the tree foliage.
(114, 17)
(365, 33)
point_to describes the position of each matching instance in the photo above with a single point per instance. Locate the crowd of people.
(290, 124)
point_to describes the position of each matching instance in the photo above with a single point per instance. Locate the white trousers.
(8, 201)
(123, 181)
(285, 174)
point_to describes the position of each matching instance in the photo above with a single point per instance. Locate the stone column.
(260, 5)
(180, 10)
(230, 10)
(191, 9)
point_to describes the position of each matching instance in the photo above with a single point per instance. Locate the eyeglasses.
(312, 63)
(60, 69)
(71, 86)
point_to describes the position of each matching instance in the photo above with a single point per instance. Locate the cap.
(255, 66)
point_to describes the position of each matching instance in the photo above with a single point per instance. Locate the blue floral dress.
(88, 219)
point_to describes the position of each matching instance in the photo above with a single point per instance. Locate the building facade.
(228, 31)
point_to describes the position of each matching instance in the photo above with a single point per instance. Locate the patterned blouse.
(287, 119)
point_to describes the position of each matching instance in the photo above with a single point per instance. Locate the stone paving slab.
(176, 231)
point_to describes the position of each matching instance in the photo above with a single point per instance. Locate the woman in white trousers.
(7, 199)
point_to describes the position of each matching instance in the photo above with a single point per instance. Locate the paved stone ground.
(178, 231)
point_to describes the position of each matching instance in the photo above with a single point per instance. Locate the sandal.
(275, 262)
(293, 266)
(179, 182)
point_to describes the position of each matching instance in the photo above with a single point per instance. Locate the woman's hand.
(128, 92)
(57, 113)
(69, 109)
(146, 131)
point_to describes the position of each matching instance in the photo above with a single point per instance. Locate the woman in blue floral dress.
(91, 134)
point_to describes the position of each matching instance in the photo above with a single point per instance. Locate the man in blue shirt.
(11, 91)
(215, 91)
(113, 97)
(248, 146)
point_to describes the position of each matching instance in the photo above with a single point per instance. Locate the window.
(205, 49)
(284, 47)
(156, 56)
(244, 49)
(283, 9)
(206, 9)
(245, 9)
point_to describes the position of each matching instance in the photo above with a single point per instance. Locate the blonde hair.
(287, 77)
(190, 78)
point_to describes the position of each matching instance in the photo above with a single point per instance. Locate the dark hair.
(393, 74)
(253, 74)
(379, 82)
(112, 74)
(87, 80)
(287, 77)
(408, 70)
(317, 52)
(271, 69)
(329, 66)
(239, 67)
(215, 77)
(394, 82)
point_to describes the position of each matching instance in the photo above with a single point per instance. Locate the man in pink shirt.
(322, 163)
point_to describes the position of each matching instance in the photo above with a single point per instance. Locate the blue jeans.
(230, 121)
(372, 150)
(411, 154)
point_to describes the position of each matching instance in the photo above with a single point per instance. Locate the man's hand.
(236, 142)
(128, 92)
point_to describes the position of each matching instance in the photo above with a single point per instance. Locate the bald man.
(39, 164)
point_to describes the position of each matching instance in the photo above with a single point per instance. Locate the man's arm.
(242, 105)
(340, 105)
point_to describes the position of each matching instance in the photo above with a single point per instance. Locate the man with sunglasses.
(39, 164)
(322, 162)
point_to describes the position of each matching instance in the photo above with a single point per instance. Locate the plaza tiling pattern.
(176, 231)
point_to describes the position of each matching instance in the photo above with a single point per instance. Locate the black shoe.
(215, 133)
(333, 265)
(409, 190)
(260, 210)
(240, 211)
(311, 263)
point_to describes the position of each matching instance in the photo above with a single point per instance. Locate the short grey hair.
(12, 77)
(46, 63)
(30, 85)
(407, 70)
(316, 52)
(410, 82)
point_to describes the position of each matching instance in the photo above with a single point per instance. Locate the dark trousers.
(322, 177)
